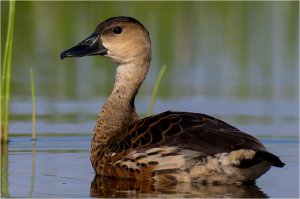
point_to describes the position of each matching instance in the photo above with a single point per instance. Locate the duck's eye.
(117, 30)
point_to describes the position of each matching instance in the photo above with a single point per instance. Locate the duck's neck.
(119, 111)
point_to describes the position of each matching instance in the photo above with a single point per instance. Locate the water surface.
(59, 167)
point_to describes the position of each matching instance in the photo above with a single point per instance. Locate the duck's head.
(122, 39)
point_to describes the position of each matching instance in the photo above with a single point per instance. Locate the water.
(59, 167)
(237, 61)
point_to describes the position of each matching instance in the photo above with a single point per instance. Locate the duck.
(168, 147)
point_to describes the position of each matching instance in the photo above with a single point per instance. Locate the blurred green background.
(235, 60)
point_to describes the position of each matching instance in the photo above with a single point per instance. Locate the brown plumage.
(171, 146)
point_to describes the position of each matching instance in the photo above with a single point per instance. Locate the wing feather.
(193, 131)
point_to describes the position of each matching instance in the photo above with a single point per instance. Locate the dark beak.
(90, 46)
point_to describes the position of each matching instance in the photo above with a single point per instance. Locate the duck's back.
(181, 146)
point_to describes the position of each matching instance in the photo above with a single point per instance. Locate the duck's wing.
(192, 131)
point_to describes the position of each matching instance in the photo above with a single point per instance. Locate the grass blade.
(155, 90)
(5, 70)
(33, 136)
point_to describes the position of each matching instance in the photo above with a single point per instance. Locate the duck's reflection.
(109, 187)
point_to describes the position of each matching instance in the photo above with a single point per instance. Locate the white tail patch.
(223, 168)
(234, 157)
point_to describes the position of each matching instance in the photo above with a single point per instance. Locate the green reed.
(33, 137)
(5, 73)
(156, 87)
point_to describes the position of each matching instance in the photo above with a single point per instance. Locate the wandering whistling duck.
(170, 146)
